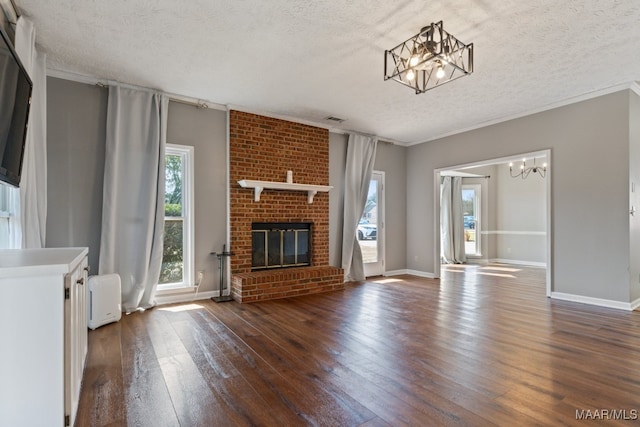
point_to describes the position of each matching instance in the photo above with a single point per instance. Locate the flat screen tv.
(15, 100)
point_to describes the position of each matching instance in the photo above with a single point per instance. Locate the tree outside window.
(177, 228)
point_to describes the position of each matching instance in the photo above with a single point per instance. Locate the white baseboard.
(518, 262)
(184, 297)
(411, 272)
(421, 274)
(395, 272)
(628, 306)
(476, 261)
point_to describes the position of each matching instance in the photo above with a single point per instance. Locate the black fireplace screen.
(279, 245)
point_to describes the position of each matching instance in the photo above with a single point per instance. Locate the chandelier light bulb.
(411, 75)
(440, 72)
(415, 57)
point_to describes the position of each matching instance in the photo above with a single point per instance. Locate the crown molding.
(83, 78)
(633, 86)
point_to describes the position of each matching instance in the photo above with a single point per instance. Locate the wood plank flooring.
(482, 346)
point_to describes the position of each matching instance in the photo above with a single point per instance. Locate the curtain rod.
(201, 105)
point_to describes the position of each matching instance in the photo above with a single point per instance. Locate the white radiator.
(104, 300)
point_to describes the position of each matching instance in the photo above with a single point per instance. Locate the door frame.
(378, 268)
(489, 162)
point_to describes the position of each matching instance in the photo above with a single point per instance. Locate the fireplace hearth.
(280, 245)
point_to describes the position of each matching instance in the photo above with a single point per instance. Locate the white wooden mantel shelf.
(258, 186)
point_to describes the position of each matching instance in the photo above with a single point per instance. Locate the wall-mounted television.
(15, 100)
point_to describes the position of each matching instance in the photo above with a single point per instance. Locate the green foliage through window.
(173, 250)
(173, 254)
(173, 183)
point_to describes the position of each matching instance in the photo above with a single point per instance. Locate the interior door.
(371, 227)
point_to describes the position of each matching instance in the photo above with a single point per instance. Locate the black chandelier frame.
(429, 59)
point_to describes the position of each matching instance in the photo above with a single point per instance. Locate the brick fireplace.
(264, 149)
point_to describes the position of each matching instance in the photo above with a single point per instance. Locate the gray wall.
(76, 138)
(634, 199)
(589, 175)
(76, 123)
(205, 130)
(392, 160)
(521, 215)
(337, 162)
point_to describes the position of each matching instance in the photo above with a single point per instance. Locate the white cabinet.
(43, 335)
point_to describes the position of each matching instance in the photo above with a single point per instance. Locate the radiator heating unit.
(105, 304)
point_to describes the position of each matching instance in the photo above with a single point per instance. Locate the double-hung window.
(177, 255)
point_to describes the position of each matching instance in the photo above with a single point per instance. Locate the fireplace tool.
(222, 258)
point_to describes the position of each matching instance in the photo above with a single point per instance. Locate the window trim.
(186, 152)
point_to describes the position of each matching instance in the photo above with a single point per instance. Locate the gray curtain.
(361, 154)
(452, 221)
(133, 200)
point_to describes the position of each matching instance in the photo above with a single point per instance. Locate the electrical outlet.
(200, 277)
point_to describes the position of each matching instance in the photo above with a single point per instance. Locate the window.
(177, 255)
(9, 217)
(471, 211)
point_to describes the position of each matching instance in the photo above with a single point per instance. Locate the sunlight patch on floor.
(386, 280)
(485, 270)
(484, 273)
(508, 269)
(455, 267)
(179, 308)
(452, 270)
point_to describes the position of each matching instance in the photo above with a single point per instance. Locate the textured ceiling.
(312, 59)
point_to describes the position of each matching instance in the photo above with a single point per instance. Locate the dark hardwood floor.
(483, 346)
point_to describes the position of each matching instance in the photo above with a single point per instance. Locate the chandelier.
(525, 171)
(429, 59)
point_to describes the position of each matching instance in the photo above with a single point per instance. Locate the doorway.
(370, 230)
(495, 234)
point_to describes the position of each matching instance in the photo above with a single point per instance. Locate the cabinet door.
(75, 336)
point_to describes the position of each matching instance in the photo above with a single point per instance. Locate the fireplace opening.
(280, 245)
